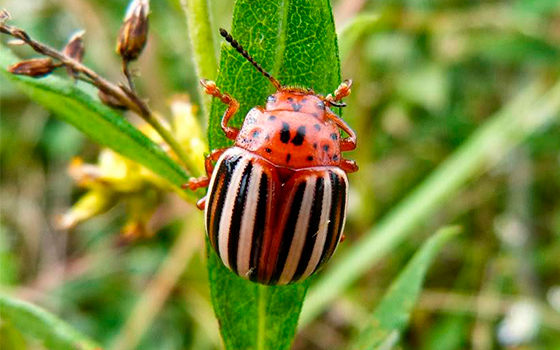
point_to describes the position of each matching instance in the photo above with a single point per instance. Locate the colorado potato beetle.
(276, 202)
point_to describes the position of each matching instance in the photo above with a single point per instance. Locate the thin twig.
(127, 97)
(128, 75)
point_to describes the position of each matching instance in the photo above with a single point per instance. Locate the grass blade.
(392, 315)
(36, 322)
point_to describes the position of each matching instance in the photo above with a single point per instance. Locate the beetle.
(276, 202)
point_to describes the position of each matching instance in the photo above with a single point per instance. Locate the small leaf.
(392, 315)
(296, 42)
(103, 125)
(38, 323)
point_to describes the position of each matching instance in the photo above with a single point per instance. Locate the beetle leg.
(201, 204)
(211, 89)
(204, 180)
(348, 143)
(343, 90)
(348, 165)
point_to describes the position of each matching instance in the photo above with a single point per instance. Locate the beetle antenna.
(245, 54)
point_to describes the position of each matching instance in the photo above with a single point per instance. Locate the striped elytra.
(269, 229)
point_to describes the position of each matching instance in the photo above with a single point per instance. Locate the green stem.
(175, 146)
(509, 127)
(204, 54)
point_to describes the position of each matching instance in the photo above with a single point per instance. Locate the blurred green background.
(426, 75)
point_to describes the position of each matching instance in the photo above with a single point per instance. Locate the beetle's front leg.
(343, 90)
(204, 180)
(211, 89)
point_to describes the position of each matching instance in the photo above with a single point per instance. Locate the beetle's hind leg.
(204, 180)
(211, 89)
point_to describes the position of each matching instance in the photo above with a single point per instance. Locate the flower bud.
(134, 31)
(37, 67)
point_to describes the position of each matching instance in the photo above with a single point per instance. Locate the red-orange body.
(292, 132)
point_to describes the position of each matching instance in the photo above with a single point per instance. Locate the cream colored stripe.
(210, 187)
(248, 221)
(225, 221)
(323, 227)
(300, 233)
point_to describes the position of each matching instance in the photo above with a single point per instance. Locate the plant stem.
(200, 33)
(531, 110)
(126, 96)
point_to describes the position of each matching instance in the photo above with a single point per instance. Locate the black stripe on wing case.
(228, 167)
(334, 215)
(288, 234)
(259, 228)
(237, 215)
(312, 229)
(212, 198)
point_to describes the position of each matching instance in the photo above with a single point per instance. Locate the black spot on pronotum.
(285, 132)
(300, 136)
(310, 158)
(326, 148)
(272, 117)
(334, 136)
(335, 157)
(317, 126)
(296, 106)
(290, 99)
(315, 145)
(288, 157)
(268, 150)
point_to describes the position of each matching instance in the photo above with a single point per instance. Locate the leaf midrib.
(278, 61)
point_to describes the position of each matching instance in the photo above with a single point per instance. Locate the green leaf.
(103, 125)
(392, 315)
(38, 323)
(295, 41)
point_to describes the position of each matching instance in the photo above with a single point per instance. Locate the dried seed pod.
(111, 101)
(134, 31)
(75, 47)
(37, 67)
